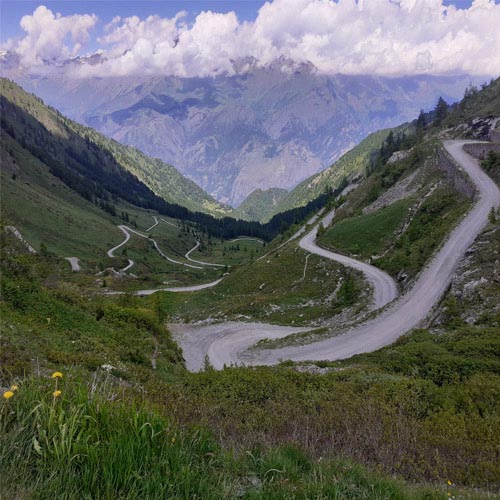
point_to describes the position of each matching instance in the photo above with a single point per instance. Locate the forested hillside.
(83, 143)
(94, 170)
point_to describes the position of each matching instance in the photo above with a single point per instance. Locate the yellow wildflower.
(173, 440)
(8, 394)
(57, 375)
(57, 393)
(14, 388)
(449, 482)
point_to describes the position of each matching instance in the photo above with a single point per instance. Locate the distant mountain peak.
(240, 66)
(264, 127)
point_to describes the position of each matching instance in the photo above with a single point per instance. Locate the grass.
(275, 290)
(414, 409)
(49, 210)
(81, 445)
(87, 443)
(427, 230)
(68, 225)
(46, 320)
(162, 178)
(377, 233)
(367, 235)
(425, 408)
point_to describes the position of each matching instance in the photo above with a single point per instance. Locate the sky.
(203, 38)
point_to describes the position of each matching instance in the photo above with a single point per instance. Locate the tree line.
(92, 171)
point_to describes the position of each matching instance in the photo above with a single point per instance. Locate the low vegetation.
(425, 233)
(284, 287)
(88, 442)
(367, 235)
(415, 409)
(492, 165)
(261, 204)
(401, 237)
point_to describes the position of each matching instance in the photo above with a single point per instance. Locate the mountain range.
(263, 127)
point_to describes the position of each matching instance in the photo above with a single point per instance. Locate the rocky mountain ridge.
(261, 128)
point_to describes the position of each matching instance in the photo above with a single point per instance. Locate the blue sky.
(13, 11)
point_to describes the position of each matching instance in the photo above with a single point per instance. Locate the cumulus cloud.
(390, 37)
(52, 37)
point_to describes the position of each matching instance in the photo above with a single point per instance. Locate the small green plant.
(491, 216)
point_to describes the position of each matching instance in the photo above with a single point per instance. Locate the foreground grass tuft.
(85, 443)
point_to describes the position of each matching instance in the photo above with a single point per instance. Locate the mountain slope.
(262, 205)
(482, 103)
(352, 165)
(164, 180)
(263, 128)
(67, 151)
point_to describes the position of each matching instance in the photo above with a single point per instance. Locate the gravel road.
(384, 287)
(229, 343)
(210, 264)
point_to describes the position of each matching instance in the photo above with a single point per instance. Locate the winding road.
(209, 264)
(230, 343)
(19, 236)
(127, 232)
(189, 288)
(384, 287)
(154, 225)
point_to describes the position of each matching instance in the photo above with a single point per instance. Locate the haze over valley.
(263, 128)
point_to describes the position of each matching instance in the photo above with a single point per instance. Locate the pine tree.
(421, 122)
(441, 111)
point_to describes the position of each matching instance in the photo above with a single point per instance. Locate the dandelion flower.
(8, 394)
(14, 388)
(57, 375)
(449, 482)
(57, 393)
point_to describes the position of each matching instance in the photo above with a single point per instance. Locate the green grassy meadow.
(413, 409)
(370, 234)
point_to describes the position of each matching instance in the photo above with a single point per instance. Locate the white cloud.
(343, 36)
(52, 37)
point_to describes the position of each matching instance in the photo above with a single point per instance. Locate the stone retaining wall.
(459, 179)
(481, 151)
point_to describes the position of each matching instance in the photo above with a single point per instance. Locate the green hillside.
(261, 205)
(477, 103)
(164, 180)
(92, 169)
(352, 165)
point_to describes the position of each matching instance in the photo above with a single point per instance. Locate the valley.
(346, 348)
(260, 129)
